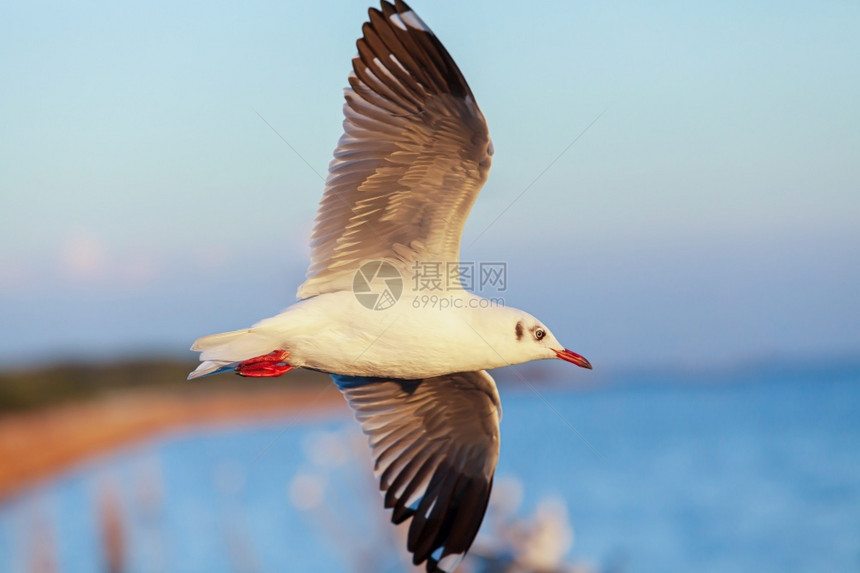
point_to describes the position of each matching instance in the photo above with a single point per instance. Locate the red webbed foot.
(272, 364)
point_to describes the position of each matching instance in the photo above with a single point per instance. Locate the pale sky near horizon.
(711, 215)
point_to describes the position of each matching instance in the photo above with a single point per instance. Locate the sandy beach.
(36, 445)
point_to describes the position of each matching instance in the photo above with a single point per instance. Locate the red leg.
(271, 364)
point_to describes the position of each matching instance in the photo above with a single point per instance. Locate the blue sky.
(710, 216)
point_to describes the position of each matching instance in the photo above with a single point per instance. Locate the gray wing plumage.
(414, 154)
(435, 444)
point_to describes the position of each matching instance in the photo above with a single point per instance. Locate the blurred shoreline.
(56, 417)
(101, 411)
(130, 463)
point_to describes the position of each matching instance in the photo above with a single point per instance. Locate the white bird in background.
(414, 154)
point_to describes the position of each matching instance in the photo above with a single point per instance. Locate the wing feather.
(435, 444)
(414, 154)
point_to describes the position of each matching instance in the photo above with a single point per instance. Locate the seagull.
(410, 359)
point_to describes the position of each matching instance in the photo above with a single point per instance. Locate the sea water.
(734, 473)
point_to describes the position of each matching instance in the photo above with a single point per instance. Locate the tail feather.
(223, 352)
(213, 340)
(212, 367)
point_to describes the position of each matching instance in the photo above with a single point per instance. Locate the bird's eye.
(540, 333)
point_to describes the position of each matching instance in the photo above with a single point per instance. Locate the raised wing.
(435, 443)
(414, 154)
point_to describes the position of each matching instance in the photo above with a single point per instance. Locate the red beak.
(573, 357)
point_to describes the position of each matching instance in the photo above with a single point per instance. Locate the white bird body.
(414, 154)
(335, 333)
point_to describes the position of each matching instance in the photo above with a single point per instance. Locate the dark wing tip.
(436, 470)
(413, 44)
(371, 13)
(400, 5)
(448, 518)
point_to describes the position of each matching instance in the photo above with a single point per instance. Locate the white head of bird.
(513, 336)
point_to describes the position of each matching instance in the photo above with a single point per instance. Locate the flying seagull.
(409, 359)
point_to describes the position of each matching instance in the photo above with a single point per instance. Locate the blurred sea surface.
(732, 473)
